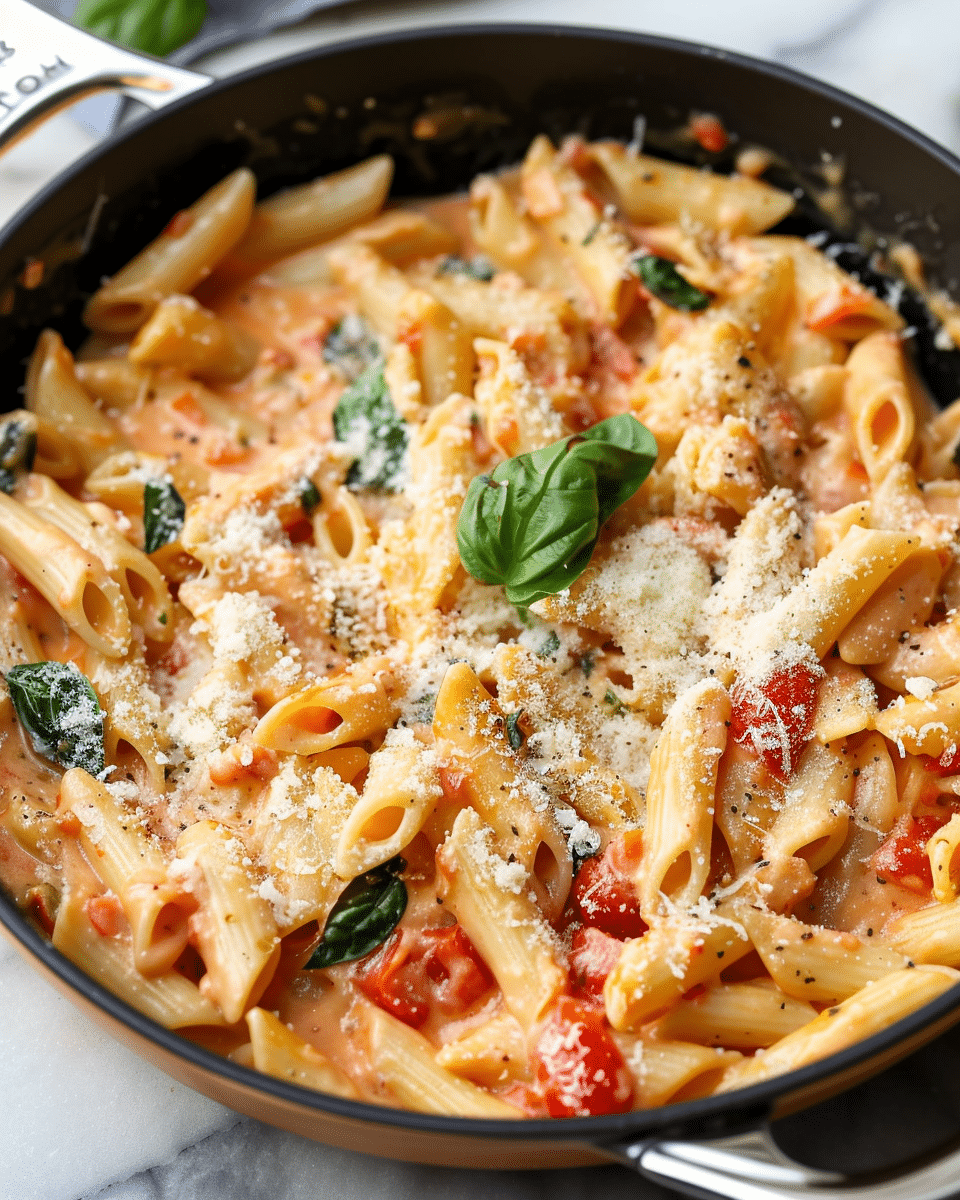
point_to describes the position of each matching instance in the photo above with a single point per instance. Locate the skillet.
(487, 91)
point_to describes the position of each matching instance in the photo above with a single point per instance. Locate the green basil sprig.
(532, 524)
(363, 918)
(18, 448)
(60, 711)
(157, 26)
(661, 277)
(351, 347)
(366, 419)
(163, 513)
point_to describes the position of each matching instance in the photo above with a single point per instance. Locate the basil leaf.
(424, 708)
(515, 735)
(617, 706)
(309, 496)
(661, 277)
(163, 513)
(18, 448)
(479, 267)
(533, 523)
(582, 851)
(157, 26)
(551, 644)
(351, 347)
(60, 711)
(364, 917)
(367, 422)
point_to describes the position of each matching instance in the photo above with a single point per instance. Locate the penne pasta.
(185, 253)
(494, 655)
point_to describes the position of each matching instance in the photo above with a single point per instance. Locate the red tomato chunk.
(902, 858)
(947, 764)
(603, 894)
(775, 718)
(415, 972)
(579, 1070)
(593, 955)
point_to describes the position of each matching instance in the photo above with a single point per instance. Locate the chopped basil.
(18, 448)
(366, 421)
(515, 735)
(309, 496)
(551, 644)
(60, 711)
(592, 233)
(157, 26)
(479, 267)
(588, 660)
(616, 704)
(424, 708)
(163, 513)
(364, 917)
(661, 277)
(584, 849)
(351, 347)
(533, 523)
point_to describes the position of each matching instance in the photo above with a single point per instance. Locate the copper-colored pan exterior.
(320, 111)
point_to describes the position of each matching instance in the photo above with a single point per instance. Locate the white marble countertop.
(82, 1117)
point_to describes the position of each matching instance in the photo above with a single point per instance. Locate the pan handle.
(751, 1166)
(47, 64)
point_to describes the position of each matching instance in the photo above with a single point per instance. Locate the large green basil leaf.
(661, 277)
(157, 26)
(364, 917)
(163, 513)
(366, 420)
(60, 711)
(532, 524)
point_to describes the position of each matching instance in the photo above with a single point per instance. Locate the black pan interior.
(487, 95)
(486, 92)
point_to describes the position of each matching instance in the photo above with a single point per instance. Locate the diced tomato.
(526, 1098)
(455, 785)
(947, 764)
(709, 132)
(105, 914)
(593, 956)
(775, 718)
(578, 1068)
(411, 334)
(414, 972)
(40, 904)
(229, 766)
(614, 353)
(902, 857)
(480, 443)
(603, 895)
(187, 405)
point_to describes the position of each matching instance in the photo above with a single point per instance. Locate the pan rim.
(746, 1106)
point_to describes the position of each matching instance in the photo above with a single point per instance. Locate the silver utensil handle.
(46, 64)
(752, 1167)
